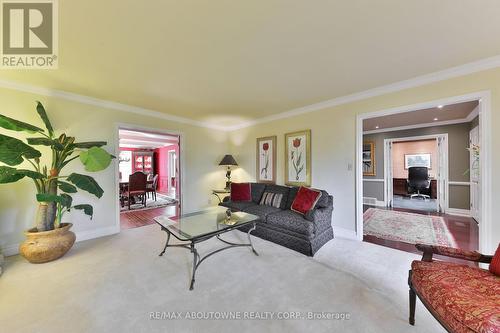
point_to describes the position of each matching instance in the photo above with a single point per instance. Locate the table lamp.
(228, 161)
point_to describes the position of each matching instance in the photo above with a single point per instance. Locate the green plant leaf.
(9, 175)
(95, 159)
(45, 142)
(16, 125)
(66, 187)
(46, 197)
(41, 111)
(13, 150)
(87, 209)
(31, 174)
(90, 144)
(66, 200)
(86, 183)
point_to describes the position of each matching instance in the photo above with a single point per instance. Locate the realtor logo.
(29, 34)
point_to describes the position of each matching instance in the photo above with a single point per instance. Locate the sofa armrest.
(321, 217)
(429, 250)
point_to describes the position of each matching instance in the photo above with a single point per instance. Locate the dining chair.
(137, 186)
(153, 186)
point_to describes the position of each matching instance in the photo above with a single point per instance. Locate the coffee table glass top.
(211, 221)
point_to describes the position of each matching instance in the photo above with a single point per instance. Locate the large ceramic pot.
(49, 245)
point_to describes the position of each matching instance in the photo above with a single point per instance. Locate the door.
(475, 186)
(442, 175)
(388, 182)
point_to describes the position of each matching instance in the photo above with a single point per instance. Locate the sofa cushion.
(305, 200)
(292, 221)
(240, 192)
(495, 262)
(465, 298)
(323, 200)
(257, 190)
(292, 192)
(237, 205)
(271, 199)
(279, 189)
(261, 211)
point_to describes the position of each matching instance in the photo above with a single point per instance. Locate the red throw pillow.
(305, 200)
(241, 192)
(495, 262)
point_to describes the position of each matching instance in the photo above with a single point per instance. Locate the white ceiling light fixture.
(436, 119)
(377, 127)
(440, 106)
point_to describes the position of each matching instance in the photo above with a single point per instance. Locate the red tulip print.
(265, 154)
(296, 158)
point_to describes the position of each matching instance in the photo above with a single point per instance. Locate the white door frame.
(134, 127)
(484, 98)
(388, 182)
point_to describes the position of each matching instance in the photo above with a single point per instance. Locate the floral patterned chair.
(462, 298)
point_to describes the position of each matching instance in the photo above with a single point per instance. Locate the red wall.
(161, 167)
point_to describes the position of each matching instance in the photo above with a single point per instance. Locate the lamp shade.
(228, 160)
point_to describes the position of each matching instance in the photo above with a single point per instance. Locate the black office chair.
(418, 180)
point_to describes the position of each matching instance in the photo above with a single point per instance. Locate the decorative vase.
(45, 246)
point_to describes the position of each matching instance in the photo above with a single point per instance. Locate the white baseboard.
(458, 212)
(373, 202)
(344, 233)
(11, 250)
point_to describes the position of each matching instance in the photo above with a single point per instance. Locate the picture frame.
(266, 160)
(369, 166)
(298, 158)
(418, 160)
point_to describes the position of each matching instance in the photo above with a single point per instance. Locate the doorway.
(482, 117)
(148, 175)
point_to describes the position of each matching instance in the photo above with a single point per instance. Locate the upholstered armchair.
(461, 297)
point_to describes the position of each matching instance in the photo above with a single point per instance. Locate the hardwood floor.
(134, 219)
(465, 230)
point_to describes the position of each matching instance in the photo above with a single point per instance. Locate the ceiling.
(137, 139)
(437, 115)
(226, 62)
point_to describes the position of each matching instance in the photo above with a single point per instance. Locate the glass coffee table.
(197, 227)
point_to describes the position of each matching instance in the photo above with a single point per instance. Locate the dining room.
(149, 176)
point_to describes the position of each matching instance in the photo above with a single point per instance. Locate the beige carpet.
(112, 284)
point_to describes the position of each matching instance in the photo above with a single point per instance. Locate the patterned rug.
(161, 201)
(407, 227)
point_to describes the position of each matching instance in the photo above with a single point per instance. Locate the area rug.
(407, 227)
(161, 201)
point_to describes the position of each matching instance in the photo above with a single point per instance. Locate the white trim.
(458, 212)
(104, 103)
(474, 113)
(452, 183)
(373, 180)
(343, 233)
(11, 250)
(465, 69)
(378, 203)
(469, 68)
(423, 125)
(484, 97)
(182, 160)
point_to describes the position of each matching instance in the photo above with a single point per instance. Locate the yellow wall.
(334, 136)
(203, 150)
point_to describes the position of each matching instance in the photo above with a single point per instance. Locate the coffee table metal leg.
(195, 264)
(166, 244)
(250, 239)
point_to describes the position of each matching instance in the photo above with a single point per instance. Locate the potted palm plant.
(50, 238)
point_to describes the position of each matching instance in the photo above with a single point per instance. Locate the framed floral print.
(298, 158)
(266, 160)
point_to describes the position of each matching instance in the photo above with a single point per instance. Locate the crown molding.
(104, 103)
(469, 68)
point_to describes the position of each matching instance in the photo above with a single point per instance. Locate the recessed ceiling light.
(435, 119)
(377, 127)
(440, 106)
